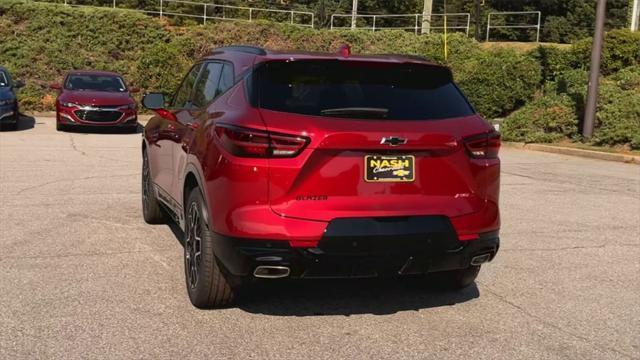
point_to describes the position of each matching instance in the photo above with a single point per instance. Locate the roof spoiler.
(247, 49)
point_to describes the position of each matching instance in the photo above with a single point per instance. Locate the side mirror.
(155, 102)
(55, 86)
(134, 90)
(18, 84)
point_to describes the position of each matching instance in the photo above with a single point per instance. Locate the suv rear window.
(359, 89)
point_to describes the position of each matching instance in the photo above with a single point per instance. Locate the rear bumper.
(360, 248)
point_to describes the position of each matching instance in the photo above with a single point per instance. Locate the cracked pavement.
(84, 277)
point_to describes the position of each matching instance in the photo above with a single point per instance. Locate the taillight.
(483, 146)
(246, 142)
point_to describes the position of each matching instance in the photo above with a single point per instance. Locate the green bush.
(621, 49)
(627, 79)
(497, 81)
(618, 117)
(635, 141)
(545, 119)
(552, 59)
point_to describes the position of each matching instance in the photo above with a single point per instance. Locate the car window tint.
(90, 82)
(226, 80)
(183, 95)
(361, 89)
(4, 82)
(207, 86)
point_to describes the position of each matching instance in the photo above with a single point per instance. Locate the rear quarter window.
(395, 91)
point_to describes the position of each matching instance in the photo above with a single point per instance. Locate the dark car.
(314, 165)
(9, 112)
(95, 98)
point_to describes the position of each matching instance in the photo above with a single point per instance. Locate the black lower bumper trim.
(434, 252)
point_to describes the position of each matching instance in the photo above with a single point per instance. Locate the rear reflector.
(245, 142)
(468, 237)
(483, 146)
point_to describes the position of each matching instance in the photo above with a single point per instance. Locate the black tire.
(207, 286)
(458, 279)
(151, 208)
(60, 127)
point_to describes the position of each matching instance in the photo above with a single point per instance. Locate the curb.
(590, 154)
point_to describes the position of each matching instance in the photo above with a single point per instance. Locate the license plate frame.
(389, 168)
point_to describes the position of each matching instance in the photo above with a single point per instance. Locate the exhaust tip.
(271, 272)
(480, 259)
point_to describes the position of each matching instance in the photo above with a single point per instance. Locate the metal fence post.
(160, 9)
(416, 25)
(250, 14)
(374, 23)
(488, 25)
(204, 18)
(468, 23)
(538, 33)
(292, 18)
(114, 4)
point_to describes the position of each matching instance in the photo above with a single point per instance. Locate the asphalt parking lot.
(84, 277)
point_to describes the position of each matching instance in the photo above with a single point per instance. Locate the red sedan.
(95, 98)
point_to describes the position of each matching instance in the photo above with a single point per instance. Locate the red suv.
(308, 165)
(95, 98)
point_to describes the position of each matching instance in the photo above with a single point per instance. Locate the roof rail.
(249, 49)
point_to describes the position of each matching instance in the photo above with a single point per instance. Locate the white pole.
(468, 23)
(538, 33)
(488, 25)
(354, 14)
(635, 15)
(160, 9)
(426, 16)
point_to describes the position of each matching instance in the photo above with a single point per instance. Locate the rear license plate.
(389, 168)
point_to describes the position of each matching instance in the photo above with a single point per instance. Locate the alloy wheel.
(146, 183)
(193, 245)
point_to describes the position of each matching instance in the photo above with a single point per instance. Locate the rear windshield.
(359, 89)
(108, 83)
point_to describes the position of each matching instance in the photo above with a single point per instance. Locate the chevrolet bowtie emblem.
(393, 141)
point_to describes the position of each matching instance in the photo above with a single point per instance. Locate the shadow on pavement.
(104, 129)
(315, 297)
(351, 297)
(25, 123)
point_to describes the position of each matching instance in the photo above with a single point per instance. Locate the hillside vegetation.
(561, 20)
(40, 42)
